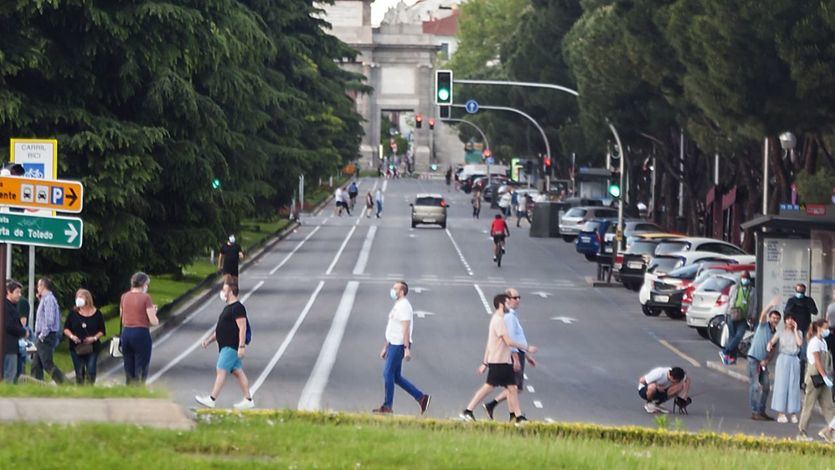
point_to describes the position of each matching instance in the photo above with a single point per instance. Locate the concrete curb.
(156, 413)
(719, 367)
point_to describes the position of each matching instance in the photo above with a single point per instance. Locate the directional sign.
(471, 106)
(52, 232)
(31, 193)
(566, 320)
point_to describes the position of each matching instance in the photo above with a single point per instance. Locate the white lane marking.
(289, 255)
(674, 349)
(531, 389)
(311, 397)
(483, 299)
(284, 344)
(525, 376)
(197, 343)
(537, 403)
(398, 275)
(565, 320)
(375, 186)
(460, 254)
(385, 185)
(362, 261)
(341, 249)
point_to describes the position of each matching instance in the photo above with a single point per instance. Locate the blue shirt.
(761, 338)
(48, 319)
(514, 329)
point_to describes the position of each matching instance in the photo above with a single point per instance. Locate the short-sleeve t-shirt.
(498, 352)
(402, 311)
(227, 333)
(134, 306)
(83, 327)
(498, 227)
(659, 376)
(815, 345)
(230, 252)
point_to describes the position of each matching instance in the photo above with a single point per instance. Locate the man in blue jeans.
(741, 297)
(758, 359)
(397, 348)
(12, 329)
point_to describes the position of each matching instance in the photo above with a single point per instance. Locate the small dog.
(681, 405)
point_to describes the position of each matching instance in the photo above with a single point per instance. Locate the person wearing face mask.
(802, 308)
(230, 334)
(759, 355)
(517, 334)
(786, 397)
(229, 258)
(818, 381)
(737, 318)
(138, 313)
(397, 348)
(84, 328)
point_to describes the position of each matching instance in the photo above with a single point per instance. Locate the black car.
(634, 263)
(667, 292)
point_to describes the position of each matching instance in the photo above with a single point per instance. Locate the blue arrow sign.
(471, 106)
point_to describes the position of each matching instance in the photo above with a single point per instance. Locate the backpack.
(248, 331)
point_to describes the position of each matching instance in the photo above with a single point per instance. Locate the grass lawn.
(296, 440)
(37, 390)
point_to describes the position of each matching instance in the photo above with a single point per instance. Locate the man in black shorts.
(661, 384)
(497, 360)
(499, 231)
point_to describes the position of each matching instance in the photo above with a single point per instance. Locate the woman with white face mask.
(817, 381)
(84, 328)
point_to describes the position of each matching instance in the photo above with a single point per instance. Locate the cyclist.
(499, 231)
(353, 191)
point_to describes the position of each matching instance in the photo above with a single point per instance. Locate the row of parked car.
(683, 277)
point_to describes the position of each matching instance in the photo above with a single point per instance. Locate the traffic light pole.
(480, 131)
(526, 115)
(619, 236)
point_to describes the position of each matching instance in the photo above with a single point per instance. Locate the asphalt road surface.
(318, 304)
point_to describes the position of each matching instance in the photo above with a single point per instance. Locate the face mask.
(79, 302)
(231, 239)
(825, 333)
(799, 295)
(745, 281)
(223, 296)
(393, 294)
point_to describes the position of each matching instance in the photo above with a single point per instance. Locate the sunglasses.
(515, 298)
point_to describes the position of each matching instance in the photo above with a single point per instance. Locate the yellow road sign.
(34, 193)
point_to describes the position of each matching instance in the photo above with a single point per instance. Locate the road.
(318, 304)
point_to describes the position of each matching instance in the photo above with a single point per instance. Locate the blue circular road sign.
(471, 106)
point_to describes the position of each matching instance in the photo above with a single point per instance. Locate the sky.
(380, 7)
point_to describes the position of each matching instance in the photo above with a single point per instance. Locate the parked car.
(591, 236)
(710, 299)
(698, 244)
(572, 221)
(429, 209)
(667, 292)
(708, 272)
(632, 227)
(629, 266)
(663, 264)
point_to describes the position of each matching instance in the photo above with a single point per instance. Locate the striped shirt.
(48, 318)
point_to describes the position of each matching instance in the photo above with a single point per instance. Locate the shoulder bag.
(116, 342)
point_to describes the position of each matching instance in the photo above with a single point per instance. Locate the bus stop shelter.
(796, 246)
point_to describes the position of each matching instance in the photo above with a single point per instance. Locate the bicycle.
(498, 248)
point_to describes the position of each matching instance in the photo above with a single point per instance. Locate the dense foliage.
(152, 100)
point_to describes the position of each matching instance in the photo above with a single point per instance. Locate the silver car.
(572, 221)
(429, 209)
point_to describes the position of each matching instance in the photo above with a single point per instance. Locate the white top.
(659, 376)
(402, 311)
(504, 201)
(338, 194)
(815, 345)
(522, 202)
(378, 195)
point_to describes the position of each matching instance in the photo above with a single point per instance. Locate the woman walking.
(817, 381)
(786, 396)
(369, 204)
(476, 202)
(84, 327)
(138, 314)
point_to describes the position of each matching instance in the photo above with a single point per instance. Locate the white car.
(663, 264)
(572, 221)
(691, 244)
(709, 300)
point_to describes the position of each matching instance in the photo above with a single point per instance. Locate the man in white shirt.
(661, 384)
(398, 347)
(337, 198)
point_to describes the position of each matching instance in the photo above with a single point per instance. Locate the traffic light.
(431, 123)
(547, 162)
(528, 167)
(445, 112)
(418, 121)
(443, 87)
(614, 188)
(216, 183)
(486, 153)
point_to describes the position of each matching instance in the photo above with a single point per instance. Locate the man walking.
(230, 334)
(14, 331)
(229, 258)
(517, 334)
(47, 332)
(737, 319)
(378, 199)
(498, 362)
(758, 359)
(803, 308)
(397, 348)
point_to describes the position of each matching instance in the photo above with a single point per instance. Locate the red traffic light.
(418, 121)
(486, 153)
(547, 162)
(431, 123)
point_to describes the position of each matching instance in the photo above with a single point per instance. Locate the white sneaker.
(661, 409)
(794, 419)
(205, 400)
(651, 408)
(782, 419)
(803, 437)
(244, 404)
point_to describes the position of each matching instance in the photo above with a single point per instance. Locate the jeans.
(85, 367)
(9, 367)
(379, 208)
(758, 386)
(391, 375)
(43, 359)
(736, 331)
(136, 349)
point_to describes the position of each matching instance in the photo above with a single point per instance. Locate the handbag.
(817, 380)
(736, 314)
(116, 343)
(83, 349)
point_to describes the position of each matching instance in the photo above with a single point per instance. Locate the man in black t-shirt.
(230, 334)
(230, 254)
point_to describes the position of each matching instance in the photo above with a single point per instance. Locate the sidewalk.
(738, 371)
(139, 411)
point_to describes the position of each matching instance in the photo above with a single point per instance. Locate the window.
(647, 228)
(576, 212)
(716, 284)
(642, 248)
(591, 226)
(721, 248)
(663, 265)
(605, 213)
(685, 272)
(429, 201)
(665, 248)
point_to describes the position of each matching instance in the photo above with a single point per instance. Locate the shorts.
(228, 359)
(660, 396)
(498, 238)
(520, 376)
(500, 375)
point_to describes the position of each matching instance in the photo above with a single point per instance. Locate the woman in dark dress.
(84, 327)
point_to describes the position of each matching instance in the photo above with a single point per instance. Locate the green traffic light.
(443, 94)
(215, 183)
(434, 167)
(614, 190)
